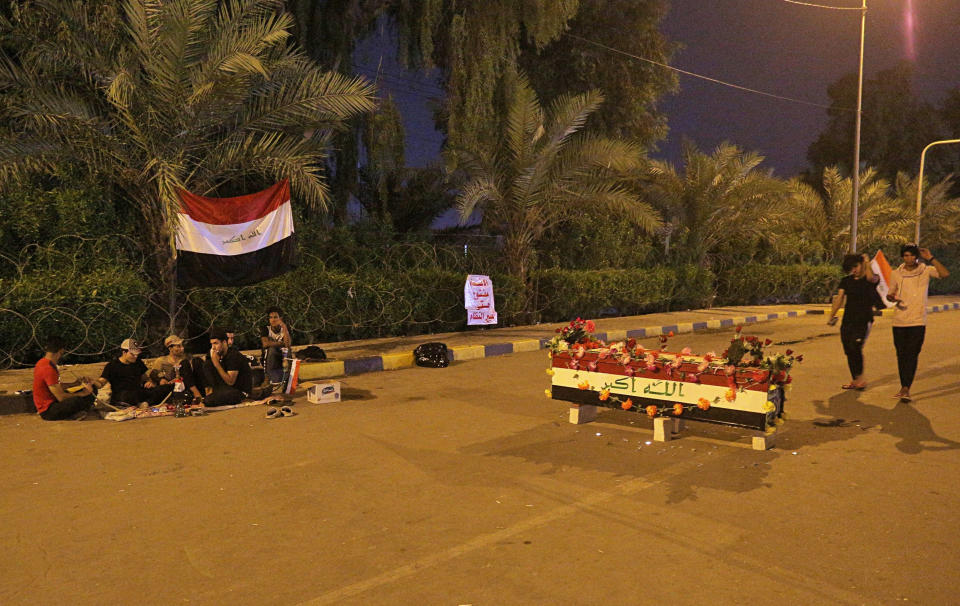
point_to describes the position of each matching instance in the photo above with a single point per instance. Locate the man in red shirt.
(51, 397)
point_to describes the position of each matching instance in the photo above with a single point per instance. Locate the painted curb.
(394, 361)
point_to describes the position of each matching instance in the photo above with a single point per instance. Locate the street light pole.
(923, 154)
(855, 172)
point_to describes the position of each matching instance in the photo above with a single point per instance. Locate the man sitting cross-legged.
(176, 364)
(128, 378)
(226, 372)
(51, 397)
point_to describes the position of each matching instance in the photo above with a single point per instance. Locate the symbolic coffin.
(683, 386)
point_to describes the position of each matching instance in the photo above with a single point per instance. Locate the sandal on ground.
(287, 411)
(856, 386)
(906, 399)
(274, 413)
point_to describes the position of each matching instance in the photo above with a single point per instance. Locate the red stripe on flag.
(228, 211)
(884, 266)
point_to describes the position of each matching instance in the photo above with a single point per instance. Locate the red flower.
(590, 326)
(677, 409)
(767, 342)
(799, 358)
(738, 328)
(670, 334)
(789, 351)
(652, 410)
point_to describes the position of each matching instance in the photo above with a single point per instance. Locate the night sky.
(793, 51)
(771, 45)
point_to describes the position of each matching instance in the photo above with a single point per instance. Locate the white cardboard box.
(322, 392)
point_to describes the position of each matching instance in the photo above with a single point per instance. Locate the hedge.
(757, 284)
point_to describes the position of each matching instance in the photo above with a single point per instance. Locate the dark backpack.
(311, 354)
(431, 355)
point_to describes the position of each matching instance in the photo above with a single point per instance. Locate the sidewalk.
(347, 358)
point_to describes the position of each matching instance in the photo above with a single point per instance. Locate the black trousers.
(909, 341)
(152, 396)
(224, 396)
(853, 336)
(66, 408)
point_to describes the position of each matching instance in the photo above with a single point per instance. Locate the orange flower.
(584, 385)
(703, 404)
(731, 395)
(677, 409)
(652, 410)
(604, 395)
(627, 404)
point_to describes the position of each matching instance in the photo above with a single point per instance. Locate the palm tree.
(717, 201)
(814, 226)
(152, 96)
(544, 170)
(940, 218)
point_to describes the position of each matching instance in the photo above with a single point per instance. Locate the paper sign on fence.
(478, 300)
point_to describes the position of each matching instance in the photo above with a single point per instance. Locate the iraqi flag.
(881, 268)
(235, 241)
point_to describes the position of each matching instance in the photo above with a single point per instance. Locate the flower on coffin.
(624, 359)
(691, 378)
(651, 410)
(702, 366)
(710, 356)
(573, 364)
(767, 342)
(583, 385)
(769, 406)
(729, 369)
(629, 371)
(592, 365)
(686, 351)
(550, 372)
(738, 328)
(703, 404)
(677, 409)
(731, 395)
(649, 360)
(604, 394)
(590, 326)
(626, 404)
(548, 393)
(580, 351)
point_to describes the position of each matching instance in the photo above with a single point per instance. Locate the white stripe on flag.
(237, 239)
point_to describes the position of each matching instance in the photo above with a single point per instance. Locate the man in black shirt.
(226, 371)
(859, 289)
(128, 379)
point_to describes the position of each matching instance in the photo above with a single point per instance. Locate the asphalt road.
(466, 485)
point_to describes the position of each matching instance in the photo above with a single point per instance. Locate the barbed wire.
(95, 292)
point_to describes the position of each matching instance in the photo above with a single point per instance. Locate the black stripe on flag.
(199, 269)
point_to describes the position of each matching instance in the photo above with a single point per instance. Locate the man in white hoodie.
(909, 284)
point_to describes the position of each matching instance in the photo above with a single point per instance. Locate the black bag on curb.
(431, 355)
(311, 354)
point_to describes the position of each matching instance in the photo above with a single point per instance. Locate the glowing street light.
(923, 155)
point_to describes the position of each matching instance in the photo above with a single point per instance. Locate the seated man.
(51, 397)
(226, 372)
(273, 338)
(176, 364)
(129, 380)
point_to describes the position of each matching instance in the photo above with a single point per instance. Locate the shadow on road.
(849, 417)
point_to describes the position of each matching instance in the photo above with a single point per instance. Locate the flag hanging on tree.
(235, 241)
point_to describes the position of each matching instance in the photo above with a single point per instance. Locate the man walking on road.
(909, 284)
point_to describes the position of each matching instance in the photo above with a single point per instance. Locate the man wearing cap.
(128, 378)
(226, 372)
(908, 288)
(54, 400)
(166, 369)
